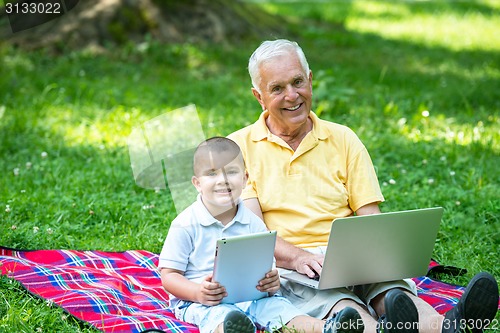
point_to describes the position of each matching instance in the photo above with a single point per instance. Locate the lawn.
(418, 81)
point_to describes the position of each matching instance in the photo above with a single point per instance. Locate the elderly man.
(303, 173)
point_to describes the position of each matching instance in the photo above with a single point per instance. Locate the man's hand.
(210, 293)
(309, 264)
(270, 283)
(292, 257)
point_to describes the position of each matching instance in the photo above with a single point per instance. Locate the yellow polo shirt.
(301, 192)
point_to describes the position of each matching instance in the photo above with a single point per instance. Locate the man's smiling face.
(286, 91)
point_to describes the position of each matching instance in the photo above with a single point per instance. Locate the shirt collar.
(260, 131)
(205, 218)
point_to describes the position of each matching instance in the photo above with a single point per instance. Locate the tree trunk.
(97, 23)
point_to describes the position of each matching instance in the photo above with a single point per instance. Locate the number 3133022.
(33, 8)
(478, 324)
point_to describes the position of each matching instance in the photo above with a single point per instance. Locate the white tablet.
(241, 262)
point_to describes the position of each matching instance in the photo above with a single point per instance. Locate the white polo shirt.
(191, 239)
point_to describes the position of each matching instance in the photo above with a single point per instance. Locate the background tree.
(97, 23)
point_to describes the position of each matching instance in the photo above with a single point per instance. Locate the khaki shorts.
(318, 303)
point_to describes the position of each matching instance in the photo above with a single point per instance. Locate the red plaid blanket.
(122, 292)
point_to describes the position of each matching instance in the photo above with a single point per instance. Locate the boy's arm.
(207, 292)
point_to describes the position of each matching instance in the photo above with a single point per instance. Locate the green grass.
(417, 81)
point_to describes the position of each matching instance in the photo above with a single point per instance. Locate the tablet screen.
(241, 262)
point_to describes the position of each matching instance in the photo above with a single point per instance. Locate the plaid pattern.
(122, 292)
(442, 296)
(114, 292)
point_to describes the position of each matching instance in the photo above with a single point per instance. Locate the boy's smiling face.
(220, 181)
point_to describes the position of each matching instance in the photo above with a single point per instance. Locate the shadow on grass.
(47, 98)
(59, 104)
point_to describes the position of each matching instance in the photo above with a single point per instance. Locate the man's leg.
(476, 308)
(429, 320)
(478, 305)
(306, 324)
(369, 322)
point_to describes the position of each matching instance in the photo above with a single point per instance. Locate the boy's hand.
(270, 283)
(210, 293)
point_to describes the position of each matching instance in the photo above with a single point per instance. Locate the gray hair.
(270, 49)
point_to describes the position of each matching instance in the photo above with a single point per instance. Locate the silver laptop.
(376, 248)
(241, 262)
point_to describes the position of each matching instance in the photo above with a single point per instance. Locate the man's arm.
(292, 257)
(254, 205)
(369, 209)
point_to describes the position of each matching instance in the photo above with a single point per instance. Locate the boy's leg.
(270, 313)
(207, 318)
(220, 328)
(236, 322)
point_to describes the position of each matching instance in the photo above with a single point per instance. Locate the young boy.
(187, 257)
